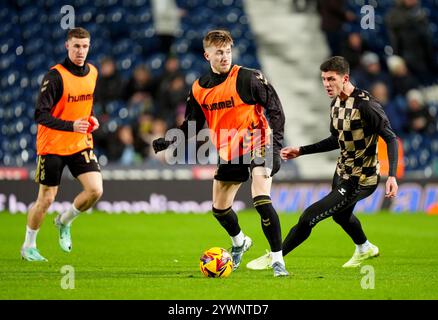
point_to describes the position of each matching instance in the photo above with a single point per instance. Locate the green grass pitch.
(156, 257)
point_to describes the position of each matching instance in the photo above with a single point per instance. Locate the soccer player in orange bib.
(65, 122)
(233, 101)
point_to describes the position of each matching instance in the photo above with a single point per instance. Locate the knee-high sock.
(228, 219)
(270, 221)
(352, 226)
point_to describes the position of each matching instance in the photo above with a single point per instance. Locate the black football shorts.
(50, 166)
(238, 170)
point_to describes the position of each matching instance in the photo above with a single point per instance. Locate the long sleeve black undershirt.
(374, 115)
(264, 94)
(376, 119)
(193, 113)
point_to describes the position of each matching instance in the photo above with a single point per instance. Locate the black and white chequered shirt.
(356, 124)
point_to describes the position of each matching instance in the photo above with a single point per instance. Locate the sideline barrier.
(186, 196)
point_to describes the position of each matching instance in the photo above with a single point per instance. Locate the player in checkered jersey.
(356, 122)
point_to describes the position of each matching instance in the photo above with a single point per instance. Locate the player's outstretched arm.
(288, 153)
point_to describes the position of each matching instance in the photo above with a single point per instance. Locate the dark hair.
(79, 33)
(337, 64)
(217, 38)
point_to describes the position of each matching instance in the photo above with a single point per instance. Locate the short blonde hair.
(79, 33)
(217, 38)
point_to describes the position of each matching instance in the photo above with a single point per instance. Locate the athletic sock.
(30, 238)
(228, 220)
(270, 221)
(68, 216)
(238, 240)
(363, 247)
(277, 257)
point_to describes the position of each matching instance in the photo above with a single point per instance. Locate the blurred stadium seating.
(31, 41)
(420, 150)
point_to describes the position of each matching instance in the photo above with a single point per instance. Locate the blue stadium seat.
(37, 63)
(136, 4)
(424, 157)
(100, 44)
(7, 159)
(113, 107)
(8, 29)
(139, 16)
(7, 61)
(249, 61)
(155, 63)
(146, 37)
(192, 75)
(189, 4)
(187, 60)
(36, 46)
(57, 35)
(6, 12)
(31, 42)
(37, 77)
(10, 78)
(122, 46)
(17, 93)
(85, 14)
(126, 62)
(199, 16)
(115, 22)
(233, 15)
(181, 45)
(28, 14)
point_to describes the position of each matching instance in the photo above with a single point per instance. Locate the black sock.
(228, 219)
(270, 221)
(351, 225)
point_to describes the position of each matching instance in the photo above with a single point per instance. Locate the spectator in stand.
(140, 88)
(333, 15)
(167, 84)
(142, 130)
(171, 69)
(172, 96)
(398, 119)
(419, 117)
(121, 149)
(402, 80)
(166, 22)
(159, 128)
(352, 50)
(109, 86)
(370, 72)
(410, 37)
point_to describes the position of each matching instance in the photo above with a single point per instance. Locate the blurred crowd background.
(149, 52)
